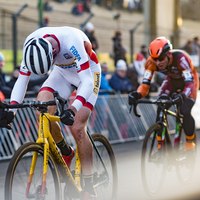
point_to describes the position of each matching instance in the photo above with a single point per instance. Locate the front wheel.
(153, 161)
(104, 169)
(17, 184)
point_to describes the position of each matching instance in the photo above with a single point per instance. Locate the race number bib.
(147, 74)
(187, 74)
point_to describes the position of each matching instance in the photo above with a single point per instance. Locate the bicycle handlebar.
(30, 104)
(59, 101)
(147, 101)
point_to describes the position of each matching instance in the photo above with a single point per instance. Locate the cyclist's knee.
(78, 130)
(186, 107)
(185, 111)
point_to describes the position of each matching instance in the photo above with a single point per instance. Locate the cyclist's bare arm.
(20, 87)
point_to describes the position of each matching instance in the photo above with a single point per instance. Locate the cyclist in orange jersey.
(181, 76)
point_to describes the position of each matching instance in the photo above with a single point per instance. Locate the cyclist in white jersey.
(75, 65)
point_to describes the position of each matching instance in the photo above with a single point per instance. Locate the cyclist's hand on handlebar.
(67, 117)
(133, 97)
(6, 118)
(179, 98)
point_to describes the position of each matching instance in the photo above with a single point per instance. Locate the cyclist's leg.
(79, 133)
(79, 129)
(188, 122)
(83, 142)
(85, 149)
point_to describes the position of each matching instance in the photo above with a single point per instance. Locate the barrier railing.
(110, 117)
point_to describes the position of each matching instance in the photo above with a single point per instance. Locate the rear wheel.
(105, 175)
(16, 185)
(153, 161)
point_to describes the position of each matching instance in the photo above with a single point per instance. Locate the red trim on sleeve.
(2, 97)
(84, 66)
(47, 89)
(81, 99)
(13, 102)
(89, 105)
(25, 74)
(92, 55)
(94, 58)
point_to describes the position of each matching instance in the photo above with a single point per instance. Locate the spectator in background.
(196, 51)
(105, 88)
(98, 2)
(119, 81)
(45, 22)
(14, 77)
(196, 46)
(87, 5)
(4, 78)
(78, 9)
(144, 51)
(34, 84)
(119, 51)
(188, 47)
(109, 5)
(136, 72)
(132, 75)
(60, 1)
(120, 3)
(139, 64)
(47, 7)
(89, 31)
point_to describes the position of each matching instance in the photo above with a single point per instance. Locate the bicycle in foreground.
(161, 150)
(35, 169)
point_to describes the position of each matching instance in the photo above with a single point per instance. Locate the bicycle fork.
(42, 139)
(45, 167)
(34, 159)
(161, 138)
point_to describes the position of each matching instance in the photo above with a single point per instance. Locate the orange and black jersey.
(180, 68)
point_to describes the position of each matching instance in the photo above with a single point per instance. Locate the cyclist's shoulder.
(179, 54)
(181, 59)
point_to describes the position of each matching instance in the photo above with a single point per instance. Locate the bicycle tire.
(17, 176)
(184, 167)
(108, 190)
(155, 159)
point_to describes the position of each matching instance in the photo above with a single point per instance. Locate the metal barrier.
(110, 117)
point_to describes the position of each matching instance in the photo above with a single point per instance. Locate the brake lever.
(58, 106)
(60, 102)
(2, 108)
(135, 110)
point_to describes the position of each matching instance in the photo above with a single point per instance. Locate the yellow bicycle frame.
(45, 138)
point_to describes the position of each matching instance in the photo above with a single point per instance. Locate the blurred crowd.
(81, 6)
(125, 78)
(192, 47)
